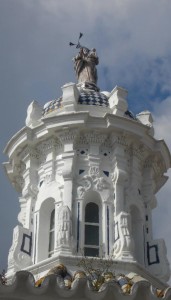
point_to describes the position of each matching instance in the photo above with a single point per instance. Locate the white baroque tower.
(87, 171)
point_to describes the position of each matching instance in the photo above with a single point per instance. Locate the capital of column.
(67, 170)
(95, 137)
(68, 138)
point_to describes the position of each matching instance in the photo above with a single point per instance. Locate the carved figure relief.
(64, 226)
(123, 245)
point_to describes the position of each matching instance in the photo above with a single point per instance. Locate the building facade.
(87, 171)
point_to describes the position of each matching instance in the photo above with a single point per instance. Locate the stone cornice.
(82, 120)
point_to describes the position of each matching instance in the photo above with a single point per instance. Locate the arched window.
(51, 233)
(91, 233)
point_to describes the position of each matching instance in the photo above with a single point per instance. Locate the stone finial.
(146, 118)
(34, 114)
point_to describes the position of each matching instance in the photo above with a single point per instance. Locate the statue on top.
(85, 63)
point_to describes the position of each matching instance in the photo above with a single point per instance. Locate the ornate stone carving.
(120, 139)
(45, 147)
(19, 257)
(95, 137)
(101, 184)
(138, 151)
(92, 181)
(68, 135)
(29, 151)
(64, 226)
(22, 213)
(81, 140)
(84, 185)
(85, 65)
(19, 168)
(158, 166)
(30, 190)
(148, 163)
(123, 243)
(94, 171)
(18, 182)
(48, 178)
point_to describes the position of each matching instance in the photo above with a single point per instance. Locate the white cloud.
(162, 120)
(162, 214)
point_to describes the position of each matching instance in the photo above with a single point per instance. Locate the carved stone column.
(68, 137)
(63, 233)
(47, 155)
(123, 242)
(29, 192)
(148, 195)
(120, 174)
(95, 139)
(137, 153)
(117, 101)
(70, 96)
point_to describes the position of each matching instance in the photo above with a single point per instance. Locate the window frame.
(51, 234)
(97, 224)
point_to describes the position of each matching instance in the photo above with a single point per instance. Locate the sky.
(133, 42)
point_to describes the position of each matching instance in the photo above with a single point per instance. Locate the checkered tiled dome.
(85, 98)
(52, 105)
(93, 98)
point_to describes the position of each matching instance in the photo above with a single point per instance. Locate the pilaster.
(95, 139)
(68, 138)
(117, 101)
(120, 174)
(70, 97)
(30, 158)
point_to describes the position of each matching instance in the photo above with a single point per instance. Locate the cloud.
(161, 114)
(162, 122)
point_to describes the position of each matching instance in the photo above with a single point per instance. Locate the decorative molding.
(43, 148)
(95, 137)
(18, 182)
(92, 181)
(138, 151)
(31, 152)
(120, 139)
(30, 190)
(68, 135)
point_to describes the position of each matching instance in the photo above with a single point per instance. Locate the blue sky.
(133, 41)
